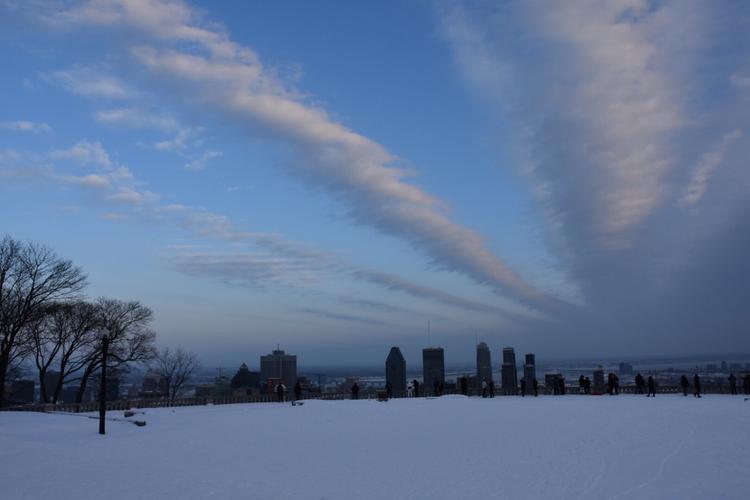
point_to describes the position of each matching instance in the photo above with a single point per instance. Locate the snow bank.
(444, 448)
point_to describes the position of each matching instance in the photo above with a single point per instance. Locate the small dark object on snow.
(129, 413)
(297, 403)
(140, 423)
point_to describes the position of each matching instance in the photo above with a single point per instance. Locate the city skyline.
(565, 180)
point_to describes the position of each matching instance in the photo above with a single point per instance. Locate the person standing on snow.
(684, 384)
(280, 390)
(732, 384)
(389, 390)
(484, 387)
(297, 391)
(491, 387)
(536, 387)
(639, 384)
(416, 388)
(464, 386)
(523, 387)
(651, 387)
(697, 386)
(355, 391)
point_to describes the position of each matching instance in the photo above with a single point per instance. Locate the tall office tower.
(279, 366)
(529, 369)
(508, 370)
(484, 365)
(433, 367)
(395, 370)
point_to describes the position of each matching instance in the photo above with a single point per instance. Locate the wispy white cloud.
(137, 118)
(26, 126)
(90, 82)
(230, 79)
(701, 173)
(84, 153)
(201, 162)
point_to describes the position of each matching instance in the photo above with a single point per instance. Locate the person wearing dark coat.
(389, 390)
(616, 386)
(297, 391)
(484, 387)
(416, 388)
(746, 383)
(586, 385)
(639, 384)
(435, 388)
(684, 384)
(280, 390)
(562, 386)
(491, 386)
(581, 384)
(536, 387)
(651, 387)
(696, 386)
(464, 386)
(355, 391)
(732, 384)
(523, 387)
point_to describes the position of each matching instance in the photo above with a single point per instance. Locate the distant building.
(154, 386)
(279, 366)
(625, 369)
(245, 379)
(484, 365)
(113, 388)
(529, 369)
(712, 368)
(395, 370)
(433, 367)
(21, 392)
(508, 373)
(598, 381)
(724, 366)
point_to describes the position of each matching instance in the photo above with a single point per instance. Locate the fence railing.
(326, 396)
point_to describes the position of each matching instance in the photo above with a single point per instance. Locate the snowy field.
(447, 448)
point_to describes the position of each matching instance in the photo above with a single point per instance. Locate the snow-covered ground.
(574, 447)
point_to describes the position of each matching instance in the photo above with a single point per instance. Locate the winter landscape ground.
(580, 447)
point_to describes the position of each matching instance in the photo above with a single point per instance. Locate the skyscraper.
(484, 364)
(433, 367)
(529, 369)
(508, 371)
(395, 370)
(279, 366)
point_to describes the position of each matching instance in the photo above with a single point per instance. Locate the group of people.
(558, 386)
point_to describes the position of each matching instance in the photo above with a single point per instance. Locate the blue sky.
(567, 179)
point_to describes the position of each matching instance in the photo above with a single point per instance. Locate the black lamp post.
(103, 386)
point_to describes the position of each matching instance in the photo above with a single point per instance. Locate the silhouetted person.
(696, 386)
(416, 388)
(587, 385)
(684, 384)
(746, 383)
(297, 391)
(639, 384)
(389, 390)
(562, 386)
(616, 385)
(491, 386)
(484, 387)
(409, 390)
(611, 384)
(280, 390)
(355, 391)
(441, 388)
(435, 387)
(732, 384)
(523, 387)
(581, 384)
(651, 387)
(464, 386)
(536, 387)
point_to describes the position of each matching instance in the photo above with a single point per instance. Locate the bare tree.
(176, 367)
(64, 339)
(130, 339)
(31, 276)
